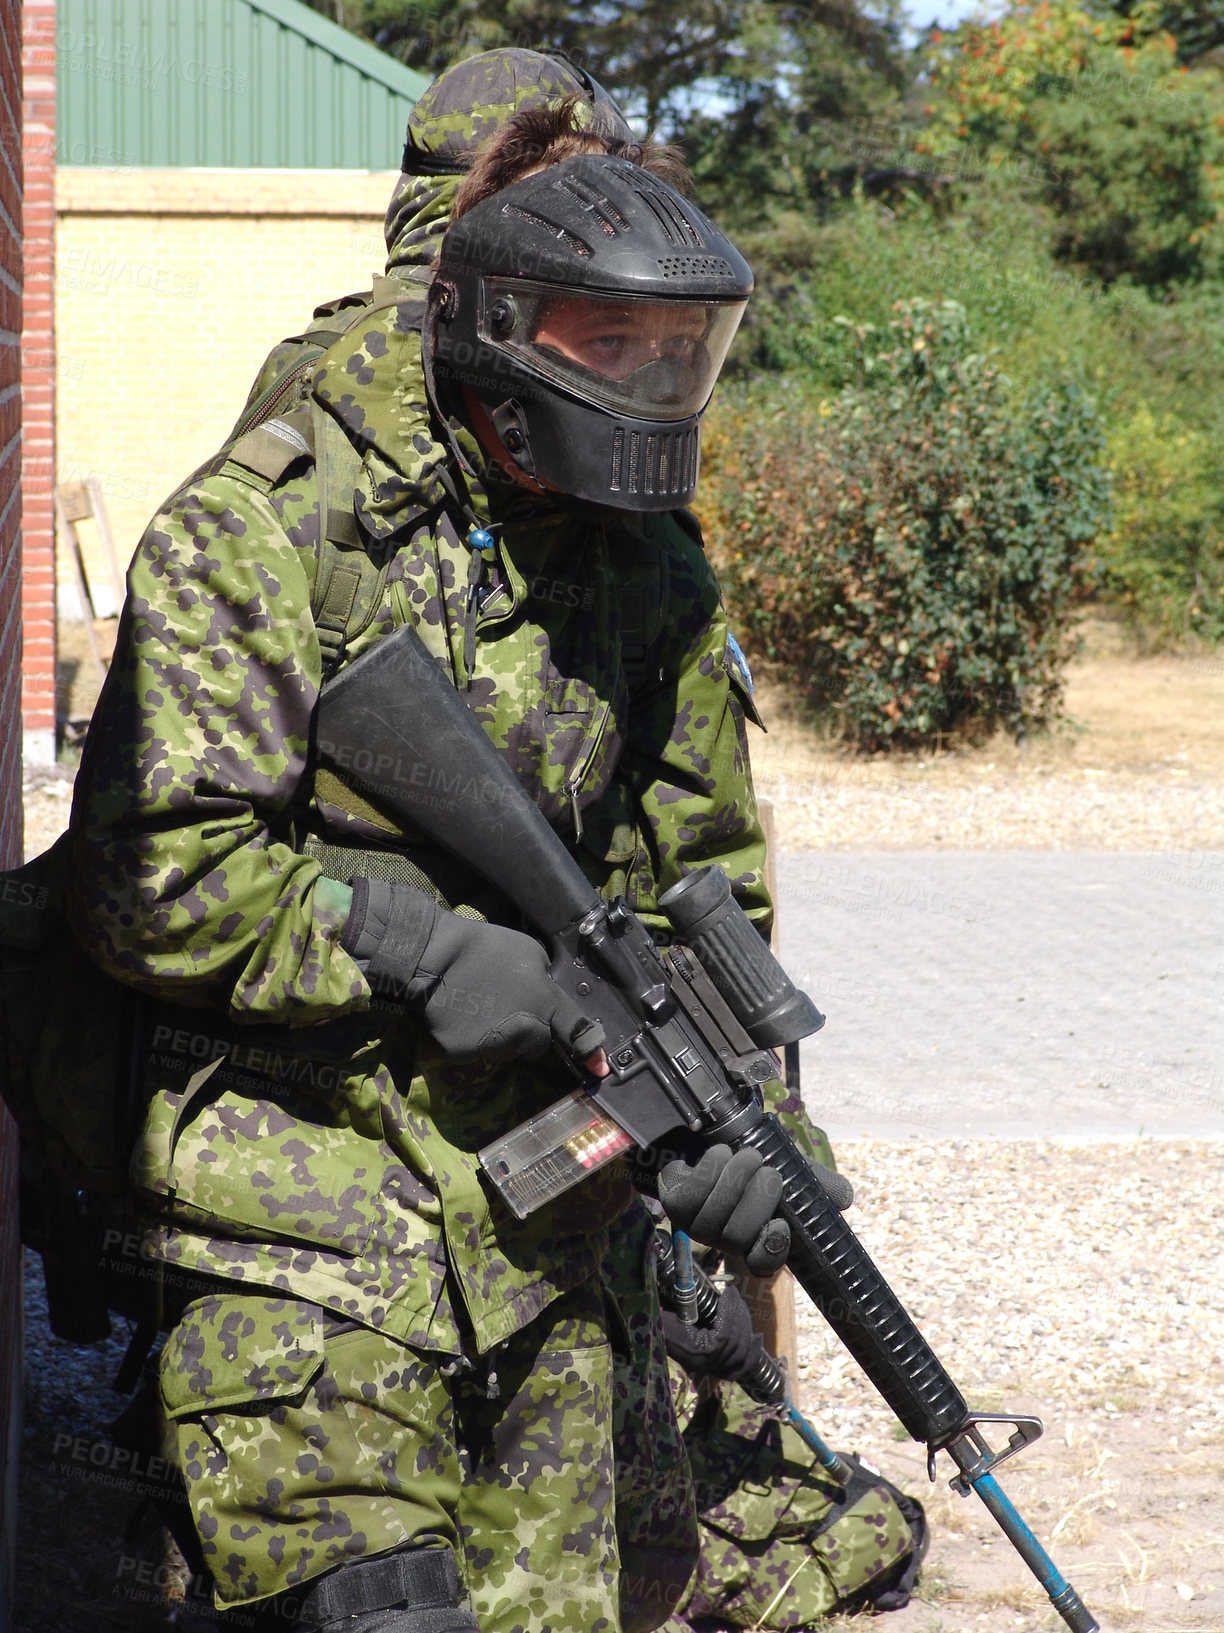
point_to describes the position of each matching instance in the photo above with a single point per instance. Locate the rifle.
(690, 1030)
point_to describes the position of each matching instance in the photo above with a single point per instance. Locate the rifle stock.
(688, 1049)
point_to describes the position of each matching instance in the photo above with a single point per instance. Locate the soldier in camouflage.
(393, 1405)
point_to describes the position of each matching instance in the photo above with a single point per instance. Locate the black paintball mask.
(588, 309)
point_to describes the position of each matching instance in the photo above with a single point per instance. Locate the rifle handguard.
(835, 1270)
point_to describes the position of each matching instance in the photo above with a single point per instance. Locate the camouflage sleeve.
(184, 884)
(790, 1111)
(688, 751)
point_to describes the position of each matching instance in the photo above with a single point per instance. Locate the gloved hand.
(728, 1349)
(483, 990)
(485, 993)
(729, 1201)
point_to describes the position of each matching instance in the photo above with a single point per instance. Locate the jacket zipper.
(574, 785)
(267, 409)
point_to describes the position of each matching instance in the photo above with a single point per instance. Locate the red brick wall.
(38, 382)
(10, 727)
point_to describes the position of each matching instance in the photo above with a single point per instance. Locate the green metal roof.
(250, 83)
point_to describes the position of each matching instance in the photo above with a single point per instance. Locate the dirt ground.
(1071, 1282)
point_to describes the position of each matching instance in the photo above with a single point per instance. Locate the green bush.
(1151, 365)
(1163, 559)
(909, 551)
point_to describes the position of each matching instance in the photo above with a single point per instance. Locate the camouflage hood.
(455, 117)
(372, 382)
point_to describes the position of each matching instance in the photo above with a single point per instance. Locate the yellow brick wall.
(170, 289)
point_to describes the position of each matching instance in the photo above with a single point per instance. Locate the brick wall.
(10, 729)
(171, 287)
(38, 385)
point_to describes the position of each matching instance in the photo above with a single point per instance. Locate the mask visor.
(646, 358)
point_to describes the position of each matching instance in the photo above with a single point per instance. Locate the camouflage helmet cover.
(456, 115)
(472, 101)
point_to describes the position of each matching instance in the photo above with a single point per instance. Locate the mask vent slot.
(610, 220)
(659, 463)
(676, 225)
(570, 239)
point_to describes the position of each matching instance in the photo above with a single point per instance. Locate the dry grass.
(1123, 713)
(1141, 712)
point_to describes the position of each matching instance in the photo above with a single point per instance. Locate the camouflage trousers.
(783, 1544)
(554, 1469)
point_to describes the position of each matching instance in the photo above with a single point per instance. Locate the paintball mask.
(589, 309)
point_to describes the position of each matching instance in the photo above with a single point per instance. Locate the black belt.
(415, 1578)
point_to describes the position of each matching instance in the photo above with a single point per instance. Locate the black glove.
(483, 991)
(728, 1349)
(729, 1201)
(835, 1186)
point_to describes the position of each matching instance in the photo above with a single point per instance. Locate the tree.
(772, 70)
(1196, 25)
(1098, 116)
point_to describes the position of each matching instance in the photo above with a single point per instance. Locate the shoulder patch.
(740, 676)
(737, 660)
(268, 451)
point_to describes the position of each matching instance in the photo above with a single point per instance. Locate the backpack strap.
(266, 452)
(349, 583)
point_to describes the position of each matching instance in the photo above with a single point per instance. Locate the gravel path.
(928, 804)
(848, 805)
(1077, 1283)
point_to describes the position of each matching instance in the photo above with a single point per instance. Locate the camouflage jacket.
(329, 1153)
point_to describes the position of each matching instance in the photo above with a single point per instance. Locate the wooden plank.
(70, 541)
(75, 500)
(98, 508)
